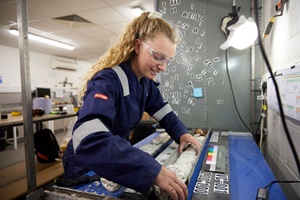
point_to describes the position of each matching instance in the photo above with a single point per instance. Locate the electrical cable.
(263, 90)
(263, 193)
(263, 113)
(256, 132)
(269, 185)
(261, 131)
(294, 152)
(230, 83)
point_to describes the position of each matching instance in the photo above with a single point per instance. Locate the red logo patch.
(101, 96)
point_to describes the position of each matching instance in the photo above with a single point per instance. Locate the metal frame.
(26, 96)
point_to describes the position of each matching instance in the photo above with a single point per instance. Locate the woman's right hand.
(168, 181)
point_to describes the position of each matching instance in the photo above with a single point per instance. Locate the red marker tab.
(101, 96)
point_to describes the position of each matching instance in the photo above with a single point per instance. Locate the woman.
(116, 92)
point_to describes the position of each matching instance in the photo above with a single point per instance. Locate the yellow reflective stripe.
(85, 129)
(162, 112)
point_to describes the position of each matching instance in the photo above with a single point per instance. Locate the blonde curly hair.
(146, 26)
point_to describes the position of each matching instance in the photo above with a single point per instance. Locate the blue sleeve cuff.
(174, 127)
(149, 178)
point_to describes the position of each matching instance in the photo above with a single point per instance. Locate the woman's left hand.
(187, 138)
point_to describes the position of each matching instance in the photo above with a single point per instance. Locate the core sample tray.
(213, 178)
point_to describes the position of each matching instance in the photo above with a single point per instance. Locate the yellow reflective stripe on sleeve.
(85, 129)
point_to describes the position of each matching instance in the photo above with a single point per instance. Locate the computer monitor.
(42, 92)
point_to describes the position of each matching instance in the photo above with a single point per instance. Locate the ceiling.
(107, 18)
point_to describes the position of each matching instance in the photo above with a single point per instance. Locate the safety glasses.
(156, 56)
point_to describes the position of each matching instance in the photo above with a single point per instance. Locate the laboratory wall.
(203, 82)
(282, 48)
(42, 74)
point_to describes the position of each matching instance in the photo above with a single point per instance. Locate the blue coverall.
(113, 106)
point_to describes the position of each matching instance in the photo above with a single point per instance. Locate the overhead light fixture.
(137, 11)
(240, 32)
(44, 40)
